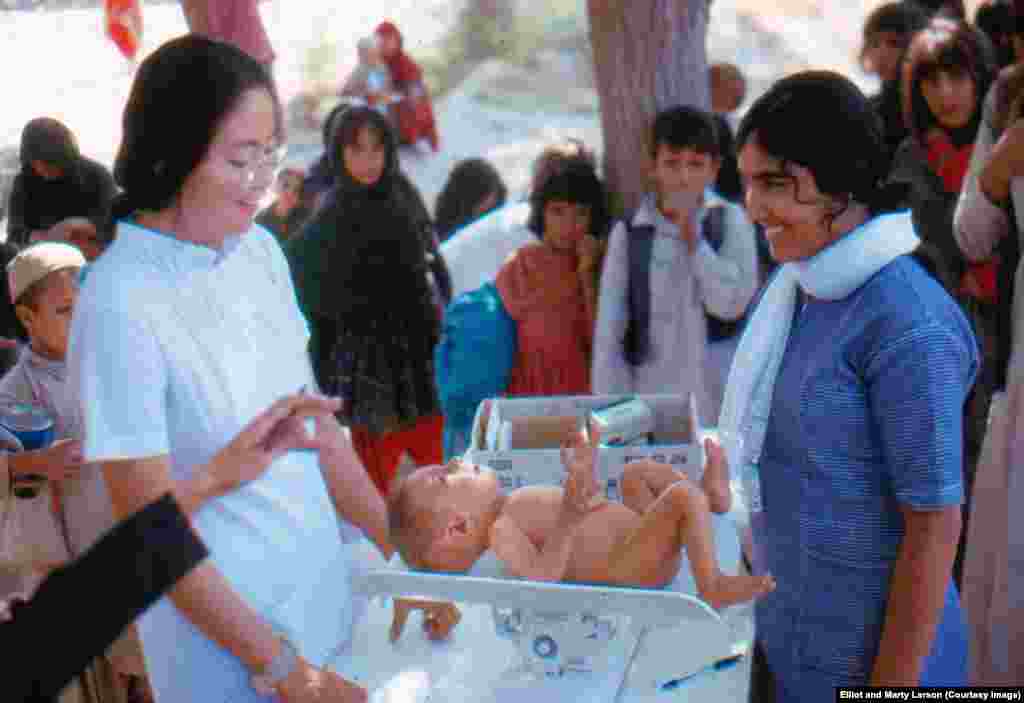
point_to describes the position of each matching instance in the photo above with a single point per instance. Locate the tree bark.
(649, 55)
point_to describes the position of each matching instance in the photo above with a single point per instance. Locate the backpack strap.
(640, 241)
(713, 231)
(713, 226)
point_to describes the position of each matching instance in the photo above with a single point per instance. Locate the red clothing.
(235, 22)
(380, 454)
(542, 293)
(413, 116)
(950, 163)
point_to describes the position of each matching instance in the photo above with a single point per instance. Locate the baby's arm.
(521, 557)
(513, 546)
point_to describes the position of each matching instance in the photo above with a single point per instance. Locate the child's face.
(683, 170)
(290, 190)
(456, 497)
(565, 224)
(951, 96)
(365, 158)
(884, 54)
(48, 321)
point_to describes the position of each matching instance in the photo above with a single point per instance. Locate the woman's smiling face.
(226, 189)
(785, 200)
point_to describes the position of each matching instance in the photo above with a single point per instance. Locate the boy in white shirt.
(684, 256)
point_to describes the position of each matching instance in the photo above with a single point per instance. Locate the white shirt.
(175, 348)
(476, 252)
(683, 286)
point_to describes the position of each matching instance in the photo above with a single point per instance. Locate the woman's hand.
(61, 460)
(1005, 163)
(307, 684)
(439, 617)
(274, 432)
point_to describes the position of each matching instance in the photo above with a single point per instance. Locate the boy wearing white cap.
(43, 281)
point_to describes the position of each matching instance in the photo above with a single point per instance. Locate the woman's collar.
(167, 245)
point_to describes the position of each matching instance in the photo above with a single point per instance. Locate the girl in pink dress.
(550, 287)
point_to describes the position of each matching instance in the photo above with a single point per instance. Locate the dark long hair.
(945, 45)
(575, 183)
(345, 131)
(848, 161)
(468, 185)
(181, 94)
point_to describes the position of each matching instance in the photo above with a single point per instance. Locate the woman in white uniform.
(185, 329)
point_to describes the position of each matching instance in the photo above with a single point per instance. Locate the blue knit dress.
(866, 418)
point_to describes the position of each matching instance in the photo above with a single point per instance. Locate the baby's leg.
(643, 481)
(680, 517)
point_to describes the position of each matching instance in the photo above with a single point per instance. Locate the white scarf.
(831, 274)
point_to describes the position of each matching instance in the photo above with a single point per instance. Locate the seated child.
(443, 518)
(43, 280)
(371, 80)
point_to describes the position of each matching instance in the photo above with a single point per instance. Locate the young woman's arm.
(204, 596)
(156, 541)
(353, 492)
(920, 379)
(917, 594)
(979, 221)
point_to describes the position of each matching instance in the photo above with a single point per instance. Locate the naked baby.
(443, 518)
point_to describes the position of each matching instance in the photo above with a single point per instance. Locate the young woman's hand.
(308, 684)
(1005, 163)
(439, 617)
(279, 429)
(60, 461)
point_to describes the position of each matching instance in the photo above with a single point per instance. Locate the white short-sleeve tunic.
(174, 348)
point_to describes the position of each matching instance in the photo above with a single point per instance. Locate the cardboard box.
(675, 429)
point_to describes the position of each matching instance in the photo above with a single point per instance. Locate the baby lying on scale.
(443, 518)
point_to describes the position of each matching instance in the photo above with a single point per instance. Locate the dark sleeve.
(442, 276)
(17, 229)
(102, 190)
(79, 610)
(932, 208)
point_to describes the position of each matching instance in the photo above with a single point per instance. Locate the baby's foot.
(729, 590)
(715, 482)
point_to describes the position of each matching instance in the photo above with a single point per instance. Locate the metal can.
(624, 423)
(32, 425)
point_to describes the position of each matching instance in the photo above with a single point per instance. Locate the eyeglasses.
(255, 161)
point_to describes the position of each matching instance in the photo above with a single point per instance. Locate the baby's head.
(43, 281)
(440, 517)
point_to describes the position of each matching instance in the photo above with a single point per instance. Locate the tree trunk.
(649, 55)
